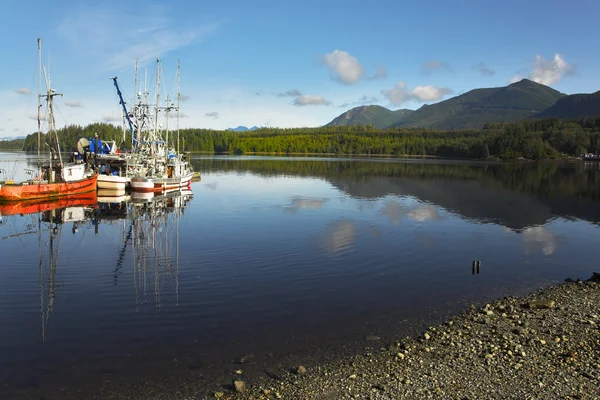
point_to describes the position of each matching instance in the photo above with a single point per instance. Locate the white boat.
(173, 181)
(112, 196)
(104, 157)
(112, 182)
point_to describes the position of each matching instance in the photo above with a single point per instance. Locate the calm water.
(290, 260)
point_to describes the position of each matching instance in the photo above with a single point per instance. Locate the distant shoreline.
(364, 155)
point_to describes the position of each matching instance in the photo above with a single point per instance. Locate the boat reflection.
(154, 234)
(150, 231)
(150, 237)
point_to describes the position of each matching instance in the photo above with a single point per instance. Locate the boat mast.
(135, 95)
(157, 100)
(167, 110)
(50, 93)
(39, 96)
(178, 101)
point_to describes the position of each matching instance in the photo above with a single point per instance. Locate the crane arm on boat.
(122, 102)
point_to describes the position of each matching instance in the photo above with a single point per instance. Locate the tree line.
(533, 139)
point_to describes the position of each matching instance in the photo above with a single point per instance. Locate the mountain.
(469, 110)
(8, 138)
(243, 129)
(379, 117)
(574, 106)
(473, 109)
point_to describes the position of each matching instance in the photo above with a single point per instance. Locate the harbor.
(150, 163)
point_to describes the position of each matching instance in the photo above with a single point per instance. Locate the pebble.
(240, 386)
(301, 370)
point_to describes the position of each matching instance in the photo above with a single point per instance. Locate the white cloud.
(380, 74)
(548, 72)
(74, 104)
(343, 67)
(307, 100)
(118, 38)
(23, 91)
(429, 93)
(484, 69)
(366, 100)
(400, 94)
(212, 114)
(435, 65)
(183, 97)
(111, 118)
(290, 93)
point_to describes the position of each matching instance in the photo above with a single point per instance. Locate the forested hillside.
(530, 139)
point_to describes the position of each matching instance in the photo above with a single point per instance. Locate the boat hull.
(112, 182)
(160, 184)
(38, 190)
(35, 206)
(112, 196)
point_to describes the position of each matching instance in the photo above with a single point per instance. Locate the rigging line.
(56, 109)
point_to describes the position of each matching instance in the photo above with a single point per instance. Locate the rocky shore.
(545, 345)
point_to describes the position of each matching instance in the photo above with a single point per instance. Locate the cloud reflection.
(305, 203)
(395, 210)
(339, 236)
(424, 213)
(211, 186)
(538, 238)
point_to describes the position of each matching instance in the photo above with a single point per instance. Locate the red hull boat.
(37, 190)
(35, 206)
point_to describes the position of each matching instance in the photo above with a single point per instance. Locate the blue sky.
(288, 64)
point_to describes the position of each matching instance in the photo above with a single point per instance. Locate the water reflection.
(149, 234)
(211, 186)
(304, 203)
(395, 210)
(424, 213)
(538, 238)
(339, 236)
(154, 234)
(516, 196)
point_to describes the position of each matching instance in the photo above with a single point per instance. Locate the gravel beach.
(545, 345)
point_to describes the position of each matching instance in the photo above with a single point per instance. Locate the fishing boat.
(107, 160)
(55, 178)
(24, 207)
(154, 165)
